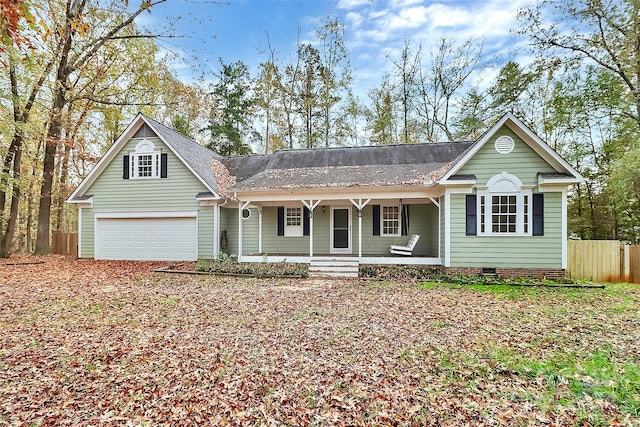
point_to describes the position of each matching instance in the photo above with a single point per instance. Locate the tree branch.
(146, 36)
(99, 42)
(126, 104)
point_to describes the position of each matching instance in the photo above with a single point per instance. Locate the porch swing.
(406, 250)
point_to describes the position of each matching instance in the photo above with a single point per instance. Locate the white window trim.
(144, 148)
(293, 230)
(382, 233)
(504, 184)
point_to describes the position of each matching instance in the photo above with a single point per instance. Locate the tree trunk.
(29, 221)
(55, 128)
(50, 149)
(6, 243)
(62, 185)
(12, 162)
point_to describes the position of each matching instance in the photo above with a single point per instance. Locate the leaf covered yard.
(113, 343)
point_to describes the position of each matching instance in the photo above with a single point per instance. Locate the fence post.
(624, 263)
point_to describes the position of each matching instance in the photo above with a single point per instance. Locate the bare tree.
(407, 70)
(438, 86)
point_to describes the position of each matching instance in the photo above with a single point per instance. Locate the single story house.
(495, 204)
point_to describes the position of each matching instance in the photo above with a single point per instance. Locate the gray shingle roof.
(197, 156)
(554, 175)
(462, 177)
(390, 165)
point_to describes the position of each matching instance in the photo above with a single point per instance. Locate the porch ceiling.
(409, 194)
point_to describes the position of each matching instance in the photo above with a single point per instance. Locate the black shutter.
(280, 220)
(404, 216)
(376, 220)
(125, 167)
(538, 214)
(163, 165)
(305, 221)
(472, 217)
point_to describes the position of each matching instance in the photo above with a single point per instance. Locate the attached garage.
(161, 236)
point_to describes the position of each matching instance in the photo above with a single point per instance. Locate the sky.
(375, 30)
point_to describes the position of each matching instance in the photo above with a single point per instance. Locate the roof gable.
(551, 157)
(193, 155)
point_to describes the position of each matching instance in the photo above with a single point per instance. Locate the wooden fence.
(64, 243)
(603, 261)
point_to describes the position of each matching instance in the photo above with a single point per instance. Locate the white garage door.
(147, 239)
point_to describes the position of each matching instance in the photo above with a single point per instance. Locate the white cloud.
(352, 4)
(404, 3)
(377, 30)
(146, 20)
(354, 19)
(412, 17)
(374, 36)
(440, 15)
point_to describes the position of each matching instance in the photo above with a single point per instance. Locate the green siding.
(250, 227)
(522, 162)
(205, 231)
(423, 220)
(274, 244)
(86, 235)
(508, 251)
(112, 193)
(230, 224)
(431, 225)
(442, 228)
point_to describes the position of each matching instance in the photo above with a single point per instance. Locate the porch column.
(259, 229)
(437, 204)
(311, 206)
(216, 230)
(360, 205)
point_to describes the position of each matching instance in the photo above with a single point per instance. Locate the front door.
(341, 230)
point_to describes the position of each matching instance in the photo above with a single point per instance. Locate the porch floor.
(365, 259)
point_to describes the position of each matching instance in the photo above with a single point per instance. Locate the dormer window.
(146, 162)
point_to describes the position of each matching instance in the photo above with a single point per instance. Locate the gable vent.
(504, 144)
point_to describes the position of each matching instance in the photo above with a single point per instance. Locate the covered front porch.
(333, 226)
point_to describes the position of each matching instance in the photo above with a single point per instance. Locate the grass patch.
(515, 290)
(571, 379)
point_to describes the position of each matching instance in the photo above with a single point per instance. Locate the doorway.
(341, 230)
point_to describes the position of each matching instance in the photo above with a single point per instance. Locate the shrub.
(228, 264)
(436, 274)
(400, 272)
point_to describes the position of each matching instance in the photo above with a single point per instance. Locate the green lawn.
(90, 343)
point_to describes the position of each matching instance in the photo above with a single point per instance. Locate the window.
(390, 220)
(145, 165)
(293, 222)
(504, 207)
(503, 214)
(146, 162)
